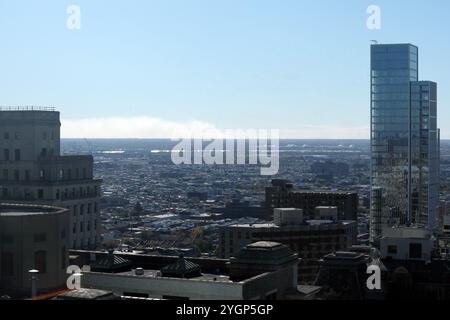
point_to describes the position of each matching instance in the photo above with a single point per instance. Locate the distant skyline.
(144, 69)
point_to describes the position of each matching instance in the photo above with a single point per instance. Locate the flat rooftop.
(157, 275)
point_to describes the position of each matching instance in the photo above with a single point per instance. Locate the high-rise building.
(404, 141)
(33, 171)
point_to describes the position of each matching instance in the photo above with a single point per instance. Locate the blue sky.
(299, 66)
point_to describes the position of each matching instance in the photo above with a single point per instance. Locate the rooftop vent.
(139, 272)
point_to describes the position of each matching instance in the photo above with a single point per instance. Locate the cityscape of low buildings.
(135, 226)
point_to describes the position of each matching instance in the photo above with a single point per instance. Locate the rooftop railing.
(26, 108)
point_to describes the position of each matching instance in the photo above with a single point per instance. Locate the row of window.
(82, 209)
(37, 238)
(75, 193)
(79, 227)
(40, 262)
(17, 135)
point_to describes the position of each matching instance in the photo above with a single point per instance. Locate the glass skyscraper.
(404, 140)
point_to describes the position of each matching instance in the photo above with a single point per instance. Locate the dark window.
(40, 261)
(41, 194)
(44, 152)
(7, 239)
(7, 264)
(5, 174)
(392, 249)
(27, 175)
(17, 154)
(16, 175)
(415, 250)
(40, 237)
(6, 154)
(63, 258)
(6, 135)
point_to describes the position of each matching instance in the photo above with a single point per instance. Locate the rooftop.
(26, 108)
(19, 210)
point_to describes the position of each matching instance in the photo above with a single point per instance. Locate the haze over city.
(146, 69)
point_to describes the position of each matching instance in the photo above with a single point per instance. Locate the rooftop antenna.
(374, 41)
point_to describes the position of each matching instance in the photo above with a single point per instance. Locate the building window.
(40, 194)
(17, 136)
(17, 154)
(392, 249)
(6, 154)
(81, 209)
(7, 264)
(40, 237)
(16, 175)
(61, 174)
(27, 175)
(43, 152)
(6, 135)
(63, 258)
(63, 233)
(40, 261)
(81, 226)
(42, 174)
(7, 239)
(58, 195)
(415, 250)
(89, 208)
(75, 208)
(5, 174)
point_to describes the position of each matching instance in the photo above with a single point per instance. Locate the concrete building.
(311, 239)
(343, 276)
(33, 171)
(282, 195)
(33, 237)
(407, 243)
(260, 271)
(287, 216)
(326, 213)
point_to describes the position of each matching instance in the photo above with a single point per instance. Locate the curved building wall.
(33, 237)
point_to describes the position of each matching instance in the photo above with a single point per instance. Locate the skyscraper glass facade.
(402, 150)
